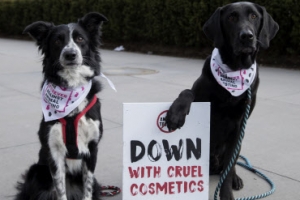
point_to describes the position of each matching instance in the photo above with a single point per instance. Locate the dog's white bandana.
(58, 102)
(235, 82)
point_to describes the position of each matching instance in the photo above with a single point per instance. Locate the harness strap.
(92, 103)
(106, 190)
(63, 121)
(63, 126)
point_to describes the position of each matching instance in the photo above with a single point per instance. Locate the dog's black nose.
(70, 55)
(246, 35)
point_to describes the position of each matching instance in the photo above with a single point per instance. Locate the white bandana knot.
(235, 82)
(58, 102)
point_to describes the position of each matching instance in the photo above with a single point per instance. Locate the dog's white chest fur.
(87, 130)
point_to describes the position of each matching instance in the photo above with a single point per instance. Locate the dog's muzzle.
(246, 36)
(246, 42)
(70, 57)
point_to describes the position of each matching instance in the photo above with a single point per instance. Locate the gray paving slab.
(272, 136)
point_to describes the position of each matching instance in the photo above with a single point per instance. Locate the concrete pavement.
(272, 135)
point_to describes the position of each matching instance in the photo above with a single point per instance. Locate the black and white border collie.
(68, 154)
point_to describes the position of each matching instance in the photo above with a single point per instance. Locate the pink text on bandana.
(58, 100)
(233, 82)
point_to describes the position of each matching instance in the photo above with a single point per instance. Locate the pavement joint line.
(28, 94)
(275, 173)
(174, 84)
(20, 145)
(285, 95)
(13, 73)
(276, 100)
(9, 196)
(7, 96)
(113, 128)
(17, 55)
(112, 121)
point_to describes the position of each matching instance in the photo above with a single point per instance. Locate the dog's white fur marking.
(79, 109)
(74, 165)
(71, 46)
(88, 130)
(58, 152)
(88, 180)
(76, 76)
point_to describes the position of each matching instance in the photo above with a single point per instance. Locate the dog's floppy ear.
(38, 30)
(268, 28)
(212, 28)
(92, 21)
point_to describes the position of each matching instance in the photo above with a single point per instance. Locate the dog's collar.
(235, 82)
(58, 102)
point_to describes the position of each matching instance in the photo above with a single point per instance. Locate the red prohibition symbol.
(161, 122)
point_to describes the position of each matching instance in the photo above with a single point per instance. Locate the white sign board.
(161, 165)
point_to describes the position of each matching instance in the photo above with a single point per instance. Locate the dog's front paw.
(176, 115)
(237, 182)
(226, 190)
(226, 196)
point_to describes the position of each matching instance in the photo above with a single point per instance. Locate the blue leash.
(247, 164)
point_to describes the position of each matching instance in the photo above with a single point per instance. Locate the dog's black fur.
(238, 30)
(54, 177)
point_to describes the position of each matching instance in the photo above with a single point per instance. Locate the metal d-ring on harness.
(247, 164)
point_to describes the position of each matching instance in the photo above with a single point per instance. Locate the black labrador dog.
(238, 30)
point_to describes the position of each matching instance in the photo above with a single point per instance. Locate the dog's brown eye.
(253, 16)
(57, 42)
(79, 39)
(231, 18)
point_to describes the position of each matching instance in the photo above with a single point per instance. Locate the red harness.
(63, 121)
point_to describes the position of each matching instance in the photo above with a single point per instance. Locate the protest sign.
(163, 165)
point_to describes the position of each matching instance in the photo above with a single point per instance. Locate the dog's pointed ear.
(92, 21)
(268, 28)
(38, 30)
(212, 28)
